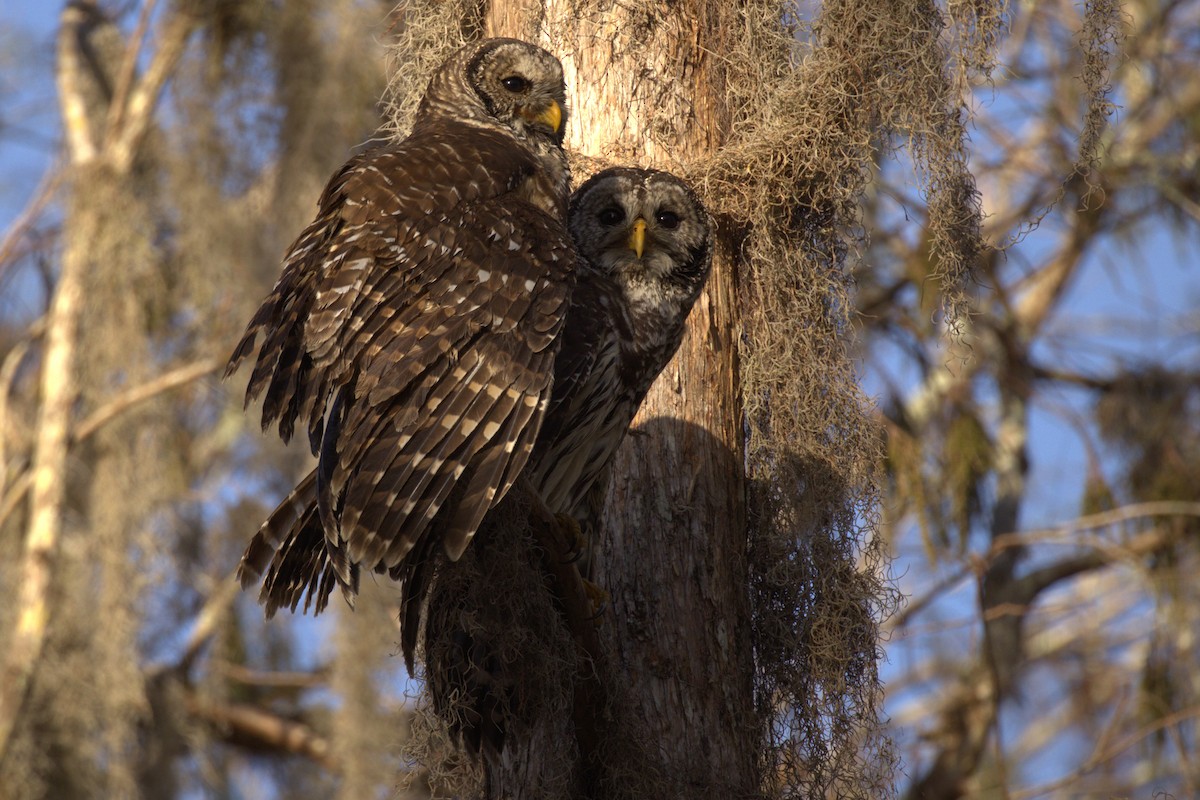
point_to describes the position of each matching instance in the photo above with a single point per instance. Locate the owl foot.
(578, 544)
(599, 598)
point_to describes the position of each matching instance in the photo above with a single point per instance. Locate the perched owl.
(414, 329)
(644, 242)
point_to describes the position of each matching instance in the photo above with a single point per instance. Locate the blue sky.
(28, 112)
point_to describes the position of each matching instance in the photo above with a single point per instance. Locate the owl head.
(505, 81)
(645, 229)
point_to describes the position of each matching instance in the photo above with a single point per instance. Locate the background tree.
(1039, 493)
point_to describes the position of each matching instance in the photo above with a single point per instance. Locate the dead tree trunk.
(106, 116)
(58, 389)
(646, 90)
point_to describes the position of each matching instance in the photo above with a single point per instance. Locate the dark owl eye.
(516, 84)
(667, 219)
(611, 215)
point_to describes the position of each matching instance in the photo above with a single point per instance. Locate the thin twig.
(116, 110)
(1103, 519)
(15, 494)
(143, 98)
(207, 622)
(8, 370)
(16, 231)
(109, 411)
(257, 677)
(139, 394)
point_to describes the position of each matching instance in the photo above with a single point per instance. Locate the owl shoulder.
(443, 167)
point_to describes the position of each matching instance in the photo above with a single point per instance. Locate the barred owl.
(645, 242)
(414, 329)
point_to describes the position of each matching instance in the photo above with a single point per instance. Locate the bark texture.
(646, 91)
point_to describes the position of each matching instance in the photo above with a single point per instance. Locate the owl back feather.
(413, 332)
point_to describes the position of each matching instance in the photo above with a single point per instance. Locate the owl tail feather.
(290, 549)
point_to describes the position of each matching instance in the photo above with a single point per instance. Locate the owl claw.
(599, 598)
(579, 540)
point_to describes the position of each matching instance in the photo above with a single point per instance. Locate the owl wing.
(413, 332)
(591, 406)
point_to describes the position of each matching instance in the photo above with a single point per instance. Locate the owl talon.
(578, 539)
(599, 598)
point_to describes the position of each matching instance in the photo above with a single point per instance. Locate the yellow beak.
(637, 237)
(550, 115)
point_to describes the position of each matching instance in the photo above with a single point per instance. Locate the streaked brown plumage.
(626, 321)
(413, 332)
(645, 242)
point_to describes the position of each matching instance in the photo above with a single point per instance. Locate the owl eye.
(516, 84)
(667, 219)
(611, 215)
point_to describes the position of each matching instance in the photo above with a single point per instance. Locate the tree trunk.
(645, 91)
(101, 147)
(58, 393)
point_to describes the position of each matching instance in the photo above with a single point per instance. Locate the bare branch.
(1073, 378)
(1103, 519)
(971, 715)
(1042, 290)
(58, 387)
(1104, 553)
(1103, 755)
(33, 209)
(180, 376)
(255, 728)
(207, 621)
(258, 677)
(177, 377)
(143, 98)
(77, 129)
(124, 82)
(1038, 581)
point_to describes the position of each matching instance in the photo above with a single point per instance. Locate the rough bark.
(645, 90)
